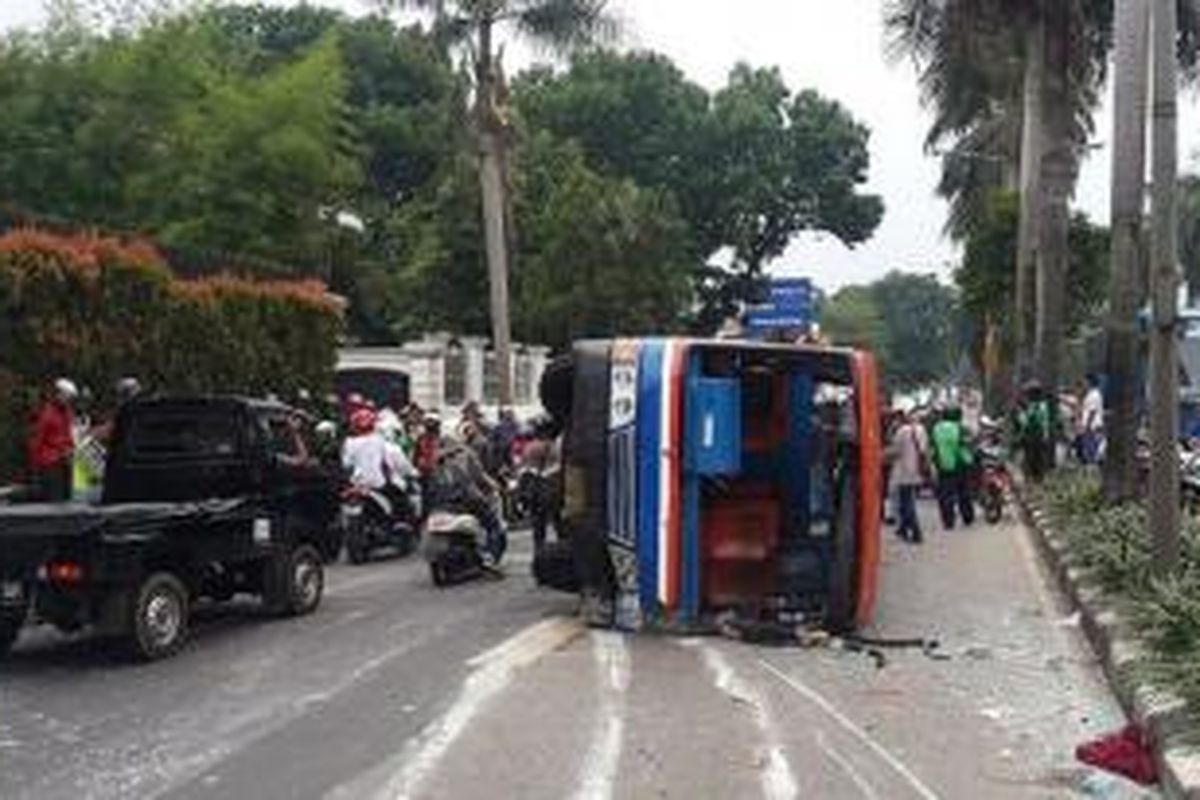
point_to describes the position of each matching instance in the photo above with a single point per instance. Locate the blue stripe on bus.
(649, 416)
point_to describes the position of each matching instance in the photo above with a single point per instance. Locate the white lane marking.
(841, 719)
(493, 671)
(856, 777)
(599, 772)
(778, 782)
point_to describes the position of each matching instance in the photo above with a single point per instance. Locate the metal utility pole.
(1130, 89)
(1164, 286)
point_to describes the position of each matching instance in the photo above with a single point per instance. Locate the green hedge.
(95, 309)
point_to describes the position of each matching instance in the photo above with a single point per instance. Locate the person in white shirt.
(372, 460)
(910, 471)
(1091, 422)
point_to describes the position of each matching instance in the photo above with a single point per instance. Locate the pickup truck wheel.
(159, 617)
(295, 582)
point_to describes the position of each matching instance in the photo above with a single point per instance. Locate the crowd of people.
(66, 439)
(396, 448)
(401, 449)
(936, 448)
(472, 468)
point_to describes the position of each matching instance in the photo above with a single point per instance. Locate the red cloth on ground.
(50, 441)
(1126, 752)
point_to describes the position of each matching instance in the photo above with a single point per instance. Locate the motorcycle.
(372, 520)
(452, 544)
(994, 480)
(518, 493)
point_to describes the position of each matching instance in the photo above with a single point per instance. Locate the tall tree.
(786, 164)
(600, 255)
(1130, 85)
(1061, 47)
(986, 282)
(919, 314)
(1164, 366)
(154, 130)
(749, 167)
(562, 25)
(851, 317)
(637, 116)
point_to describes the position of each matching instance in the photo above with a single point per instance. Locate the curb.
(1161, 713)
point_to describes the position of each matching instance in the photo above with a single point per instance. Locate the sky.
(836, 47)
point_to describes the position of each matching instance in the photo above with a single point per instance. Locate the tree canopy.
(986, 282)
(342, 147)
(749, 166)
(908, 320)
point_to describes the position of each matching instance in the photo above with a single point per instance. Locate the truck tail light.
(65, 573)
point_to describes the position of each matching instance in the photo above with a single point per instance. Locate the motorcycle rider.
(374, 462)
(539, 459)
(460, 484)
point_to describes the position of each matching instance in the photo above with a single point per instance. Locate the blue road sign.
(790, 304)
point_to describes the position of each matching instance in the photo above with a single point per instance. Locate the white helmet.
(66, 388)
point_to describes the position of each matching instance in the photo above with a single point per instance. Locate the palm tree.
(1128, 199)
(560, 25)
(1163, 503)
(984, 66)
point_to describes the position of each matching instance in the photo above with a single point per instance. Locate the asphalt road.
(395, 689)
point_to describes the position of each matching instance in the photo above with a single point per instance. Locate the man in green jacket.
(953, 460)
(1036, 423)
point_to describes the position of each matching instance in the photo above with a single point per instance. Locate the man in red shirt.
(52, 445)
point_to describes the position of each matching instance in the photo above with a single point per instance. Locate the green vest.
(950, 446)
(1035, 421)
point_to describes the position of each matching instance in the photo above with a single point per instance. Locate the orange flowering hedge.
(96, 309)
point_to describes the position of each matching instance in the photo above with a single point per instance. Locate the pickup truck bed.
(73, 519)
(31, 534)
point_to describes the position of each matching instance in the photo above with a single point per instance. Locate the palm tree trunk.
(1128, 200)
(1027, 238)
(1164, 367)
(493, 187)
(1057, 182)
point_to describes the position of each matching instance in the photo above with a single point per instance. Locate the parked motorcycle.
(452, 544)
(373, 521)
(994, 483)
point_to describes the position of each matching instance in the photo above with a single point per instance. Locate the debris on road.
(1126, 752)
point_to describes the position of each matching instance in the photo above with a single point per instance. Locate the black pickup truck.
(204, 497)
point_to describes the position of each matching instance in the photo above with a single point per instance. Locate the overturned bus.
(707, 478)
